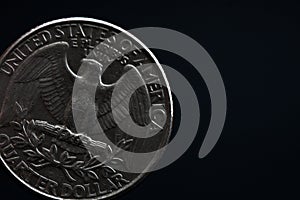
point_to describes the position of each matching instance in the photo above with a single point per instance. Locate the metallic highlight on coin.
(42, 145)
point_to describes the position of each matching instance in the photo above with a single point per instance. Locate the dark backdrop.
(256, 48)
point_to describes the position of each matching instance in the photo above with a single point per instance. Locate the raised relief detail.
(46, 75)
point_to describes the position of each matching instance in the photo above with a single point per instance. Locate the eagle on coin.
(47, 77)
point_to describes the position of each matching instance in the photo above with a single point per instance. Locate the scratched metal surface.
(39, 142)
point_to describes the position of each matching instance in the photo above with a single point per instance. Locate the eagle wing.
(127, 101)
(41, 74)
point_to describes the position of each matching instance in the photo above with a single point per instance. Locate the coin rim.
(87, 19)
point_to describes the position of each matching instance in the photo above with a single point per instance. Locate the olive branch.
(39, 157)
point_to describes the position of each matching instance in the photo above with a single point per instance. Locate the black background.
(256, 48)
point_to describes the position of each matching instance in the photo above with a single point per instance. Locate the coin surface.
(73, 92)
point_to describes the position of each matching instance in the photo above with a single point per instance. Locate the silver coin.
(40, 140)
